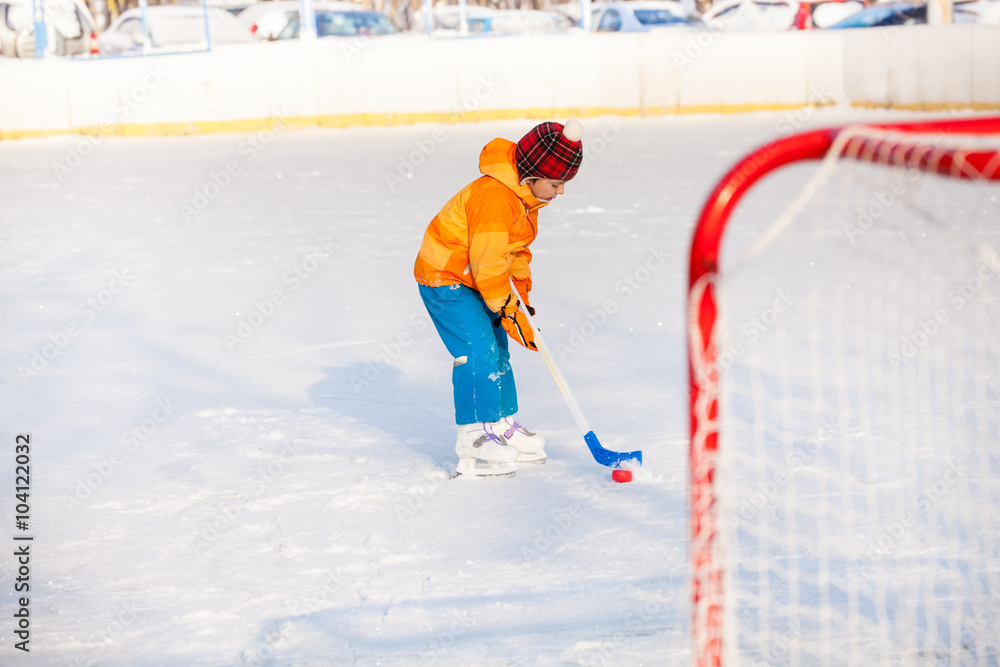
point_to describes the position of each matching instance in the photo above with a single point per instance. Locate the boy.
(470, 252)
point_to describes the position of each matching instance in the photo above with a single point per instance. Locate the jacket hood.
(497, 161)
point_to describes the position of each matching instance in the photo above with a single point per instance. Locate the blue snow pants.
(481, 376)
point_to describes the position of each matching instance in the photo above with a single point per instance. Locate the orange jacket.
(480, 238)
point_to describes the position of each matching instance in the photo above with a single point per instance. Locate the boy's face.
(546, 189)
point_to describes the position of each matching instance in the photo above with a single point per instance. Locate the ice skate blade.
(477, 468)
(531, 458)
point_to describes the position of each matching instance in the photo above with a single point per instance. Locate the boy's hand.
(516, 324)
(523, 286)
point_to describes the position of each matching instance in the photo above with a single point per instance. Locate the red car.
(805, 18)
(780, 14)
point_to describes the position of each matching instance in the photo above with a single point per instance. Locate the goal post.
(844, 375)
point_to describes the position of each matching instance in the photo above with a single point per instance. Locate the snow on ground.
(240, 416)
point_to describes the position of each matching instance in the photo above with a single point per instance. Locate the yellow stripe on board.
(929, 106)
(410, 118)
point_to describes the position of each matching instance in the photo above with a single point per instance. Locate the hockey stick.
(605, 457)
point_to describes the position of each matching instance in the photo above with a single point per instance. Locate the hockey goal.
(845, 400)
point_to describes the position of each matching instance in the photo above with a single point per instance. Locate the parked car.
(266, 18)
(481, 20)
(234, 7)
(340, 23)
(172, 27)
(984, 11)
(780, 14)
(70, 28)
(279, 19)
(897, 13)
(643, 16)
(824, 13)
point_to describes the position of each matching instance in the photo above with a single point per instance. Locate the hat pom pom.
(573, 130)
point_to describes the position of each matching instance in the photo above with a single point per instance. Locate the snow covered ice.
(241, 419)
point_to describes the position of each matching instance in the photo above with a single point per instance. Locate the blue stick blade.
(606, 457)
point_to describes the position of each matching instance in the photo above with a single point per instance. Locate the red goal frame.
(706, 571)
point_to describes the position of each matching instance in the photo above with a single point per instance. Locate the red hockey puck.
(620, 475)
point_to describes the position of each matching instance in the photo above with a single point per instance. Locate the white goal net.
(856, 485)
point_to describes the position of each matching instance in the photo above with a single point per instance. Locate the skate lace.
(487, 436)
(514, 427)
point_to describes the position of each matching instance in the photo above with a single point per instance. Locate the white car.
(234, 7)
(481, 20)
(981, 11)
(268, 18)
(643, 16)
(279, 19)
(780, 14)
(170, 27)
(70, 28)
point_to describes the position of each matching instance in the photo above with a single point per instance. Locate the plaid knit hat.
(550, 150)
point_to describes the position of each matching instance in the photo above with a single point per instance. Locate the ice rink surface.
(240, 419)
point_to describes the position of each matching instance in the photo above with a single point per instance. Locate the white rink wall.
(413, 78)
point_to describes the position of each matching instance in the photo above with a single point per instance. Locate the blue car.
(898, 13)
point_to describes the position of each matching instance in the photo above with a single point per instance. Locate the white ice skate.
(530, 446)
(483, 453)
